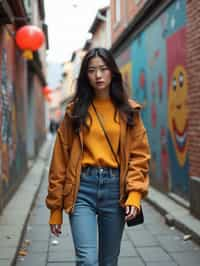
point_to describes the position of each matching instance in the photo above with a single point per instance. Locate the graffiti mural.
(125, 66)
(178, 110)
(139, 75)
(160, 84)
(10, 177)
(7, 121)
(14, 114)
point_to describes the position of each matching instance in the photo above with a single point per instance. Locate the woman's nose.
(98, 73)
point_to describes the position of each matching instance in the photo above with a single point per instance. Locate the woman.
(99, 184)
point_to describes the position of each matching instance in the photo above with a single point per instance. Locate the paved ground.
(14, 216)
(151, 244)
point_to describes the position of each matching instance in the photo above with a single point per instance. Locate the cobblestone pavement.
(151, 244)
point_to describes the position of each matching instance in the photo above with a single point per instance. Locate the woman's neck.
(102, 96)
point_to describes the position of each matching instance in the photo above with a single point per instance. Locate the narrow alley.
(118, 80)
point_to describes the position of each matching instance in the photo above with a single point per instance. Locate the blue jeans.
(97, 208)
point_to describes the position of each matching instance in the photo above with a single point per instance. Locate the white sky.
(68, 24)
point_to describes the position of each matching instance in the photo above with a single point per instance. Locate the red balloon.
(30, 37)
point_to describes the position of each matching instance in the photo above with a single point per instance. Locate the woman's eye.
(90, 70)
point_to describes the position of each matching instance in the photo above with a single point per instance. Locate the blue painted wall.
(155, 69)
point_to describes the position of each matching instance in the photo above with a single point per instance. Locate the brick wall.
(193, 63)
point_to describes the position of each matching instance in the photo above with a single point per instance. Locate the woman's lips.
(99, 83)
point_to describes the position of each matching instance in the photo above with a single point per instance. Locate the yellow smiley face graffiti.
(178, 112)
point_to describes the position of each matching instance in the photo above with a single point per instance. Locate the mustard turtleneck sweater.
(96, 149)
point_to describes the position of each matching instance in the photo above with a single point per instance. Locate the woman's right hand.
(56, 229)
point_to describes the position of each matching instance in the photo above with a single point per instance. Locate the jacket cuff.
(56, 217)
(134, 199)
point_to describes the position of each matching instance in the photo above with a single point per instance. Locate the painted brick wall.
(154, 67)
(162, 66)
(14, 114)
(13, 160)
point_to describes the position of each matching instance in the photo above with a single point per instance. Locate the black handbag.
(139, 218)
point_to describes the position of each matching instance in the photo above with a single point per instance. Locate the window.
(137, 2)
(117, 10)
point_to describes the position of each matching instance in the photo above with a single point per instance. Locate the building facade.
(156, 49)
(101, 29)
(122, 12)
(22, 120)
(70, 74)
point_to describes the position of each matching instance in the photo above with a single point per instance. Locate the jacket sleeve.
(57, 170)
(137, 180)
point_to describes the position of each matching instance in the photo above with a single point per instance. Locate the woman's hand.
(130, 213)
(56, 229)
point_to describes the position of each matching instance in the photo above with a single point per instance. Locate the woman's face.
(99, 76)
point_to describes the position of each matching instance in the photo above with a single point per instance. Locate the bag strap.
(105, 133)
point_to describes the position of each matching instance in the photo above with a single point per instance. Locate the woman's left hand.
(130, 212)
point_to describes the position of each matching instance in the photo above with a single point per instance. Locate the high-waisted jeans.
(97, 209)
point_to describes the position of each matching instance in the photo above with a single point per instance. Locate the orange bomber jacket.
(65, 167)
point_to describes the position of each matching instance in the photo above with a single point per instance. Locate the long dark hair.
(84, 94)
